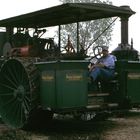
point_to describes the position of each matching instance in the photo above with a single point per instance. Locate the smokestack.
(124, 28)
(124, 31)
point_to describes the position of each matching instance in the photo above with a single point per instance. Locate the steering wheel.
(97, 51)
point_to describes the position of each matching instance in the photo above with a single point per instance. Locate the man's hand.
(100, 65)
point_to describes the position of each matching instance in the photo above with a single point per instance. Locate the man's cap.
(105, 48)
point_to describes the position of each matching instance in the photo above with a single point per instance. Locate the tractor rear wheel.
(18, 91)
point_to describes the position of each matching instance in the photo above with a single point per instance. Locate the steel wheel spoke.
(12, 83)
(18, 113)
(13, 77)
(15, 113)
(7, 86)
(16, 71)
(22, 77)
(11, 108)
(6, 93)
(21, 113)
(10, 101)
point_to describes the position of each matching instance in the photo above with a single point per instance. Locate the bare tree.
(91, 33)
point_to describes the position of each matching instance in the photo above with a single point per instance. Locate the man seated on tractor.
(104, 69)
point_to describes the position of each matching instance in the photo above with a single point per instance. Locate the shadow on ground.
(67, 129)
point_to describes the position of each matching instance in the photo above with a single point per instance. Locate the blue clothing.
(106, 72)
(108, 61)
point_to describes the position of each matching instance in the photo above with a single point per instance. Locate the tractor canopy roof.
(66, 13)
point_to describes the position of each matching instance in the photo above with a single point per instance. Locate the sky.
(11, 8)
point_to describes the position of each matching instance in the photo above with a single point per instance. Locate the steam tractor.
(37, 79)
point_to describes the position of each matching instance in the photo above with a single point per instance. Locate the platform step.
(98, 94)
(113, 104)
(93, 106)
(96, 100)
(106, 105)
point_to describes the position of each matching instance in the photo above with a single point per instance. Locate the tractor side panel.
(47, 87)
(63, 84)
(47, 84)
(129, 77)
(133, 86)
(71, 88)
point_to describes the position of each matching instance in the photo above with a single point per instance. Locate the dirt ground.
(116, 128)
(126, 128)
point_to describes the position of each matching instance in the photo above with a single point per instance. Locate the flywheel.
(19, 86)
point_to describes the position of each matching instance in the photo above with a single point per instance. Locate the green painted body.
(129, 79)
(63, 84)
